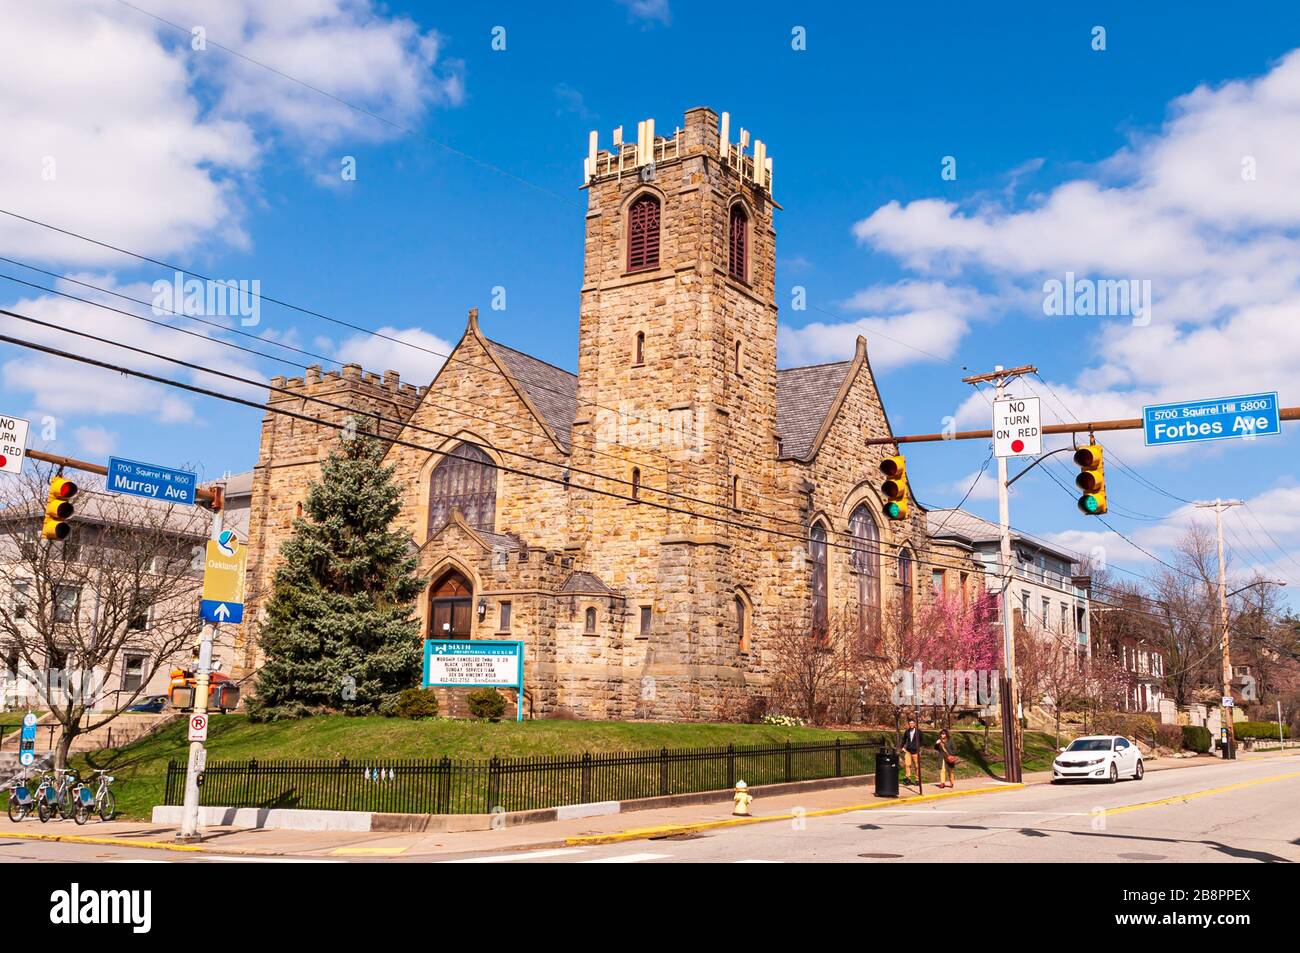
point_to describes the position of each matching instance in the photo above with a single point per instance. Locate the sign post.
(483, 663)
(13, 443)
(223, 601)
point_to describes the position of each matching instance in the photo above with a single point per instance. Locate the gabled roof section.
(804, 397)
(553, 391)
(586, 583)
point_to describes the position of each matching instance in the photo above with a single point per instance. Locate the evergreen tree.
(339, 630)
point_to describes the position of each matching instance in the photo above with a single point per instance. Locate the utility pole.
(1009, 691)
(1230, 747)
(189, 830)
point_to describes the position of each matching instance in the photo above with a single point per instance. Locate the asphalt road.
(1244, 812)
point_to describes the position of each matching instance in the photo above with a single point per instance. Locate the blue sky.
(1123, 163)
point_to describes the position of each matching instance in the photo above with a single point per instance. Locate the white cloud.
(116, 128)
(1178, 208)
(409, 354)
(95, 441)
(905, 322)
(648, 12)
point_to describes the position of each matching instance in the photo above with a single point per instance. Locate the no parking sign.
(199, 726)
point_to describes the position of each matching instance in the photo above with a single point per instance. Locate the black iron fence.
(444, 786)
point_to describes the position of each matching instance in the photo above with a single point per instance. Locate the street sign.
(151, 482)
(13, 443)
(1227, 701)
(199, 726)
(481, 663)
(223, 580)
(27, 741)
(1217, 418)
(1017, 427)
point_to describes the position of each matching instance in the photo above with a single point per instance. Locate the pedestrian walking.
(947, 760)
(910, 749)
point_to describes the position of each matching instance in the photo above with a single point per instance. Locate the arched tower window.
(742, 623)
(735, 493)
(740, 357)
(905, 585)
(817, 558)
(638, 353)
(466, 479)
(589, 622)
(636, 483)
(643, 234)
(738, 243)
(866, 566)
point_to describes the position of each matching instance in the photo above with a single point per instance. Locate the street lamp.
(1260, 582)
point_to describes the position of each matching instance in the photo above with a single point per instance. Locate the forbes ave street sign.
(151, 482)
(1218, 418)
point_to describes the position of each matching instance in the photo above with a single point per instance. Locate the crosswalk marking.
(626, 859)
(519, 855)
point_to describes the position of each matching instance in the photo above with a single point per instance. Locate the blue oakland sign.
(1217, 418)
(150, 481)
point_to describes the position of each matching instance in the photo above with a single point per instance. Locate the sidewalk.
(659, 822)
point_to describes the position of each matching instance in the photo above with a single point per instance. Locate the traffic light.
(1091, 479)
(58, 509)
(894, 489)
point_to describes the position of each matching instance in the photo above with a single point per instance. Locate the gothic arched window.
(466, 479)
(905, 585)
(817, 557)
(866, 565)
(738, 243)
(643, 234)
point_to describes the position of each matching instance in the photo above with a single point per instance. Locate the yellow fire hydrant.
(742, 799)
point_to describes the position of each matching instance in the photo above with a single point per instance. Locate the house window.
(866, 565)
(66, 599)
(132, 672)
(643, 234)
(639, 351)
(738, 243)
(742, 624)
(589, 625)
(817, 556)
(905, 585)
(503, 619)
(936, 581)
(646, 617)
(465, 480)
(636, 483)
(22, 592)
(141, 604)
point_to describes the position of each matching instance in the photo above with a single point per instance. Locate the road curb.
(672, 830)
(110, 841)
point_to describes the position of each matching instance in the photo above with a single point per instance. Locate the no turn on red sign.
(199, 726)
(13, 443)
(1017, 427)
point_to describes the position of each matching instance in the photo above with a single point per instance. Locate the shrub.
(1259, 729)
(486, 703)
(416, 703)
(1169, 736)
(755, 709)
(1196, 738)
(783, 721)
(1128, 724)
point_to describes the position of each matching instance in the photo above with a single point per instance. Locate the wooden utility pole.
(1230, 745)
(1011, 739)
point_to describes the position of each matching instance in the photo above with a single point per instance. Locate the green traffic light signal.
(893, 510)
(1089, 504)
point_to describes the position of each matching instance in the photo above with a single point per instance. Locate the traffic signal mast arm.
(210, 496)
(1095, 426)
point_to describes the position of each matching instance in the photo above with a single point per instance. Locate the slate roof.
(803, 399)
(586, 582)
(553, 390)
(969, 528)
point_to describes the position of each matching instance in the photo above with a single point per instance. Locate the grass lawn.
(140, 768)
(14, 719)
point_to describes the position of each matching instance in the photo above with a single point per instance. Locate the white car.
(1098, 758)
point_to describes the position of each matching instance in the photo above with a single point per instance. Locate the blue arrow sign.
(231, 613)
(151, 482)
(1217, 418)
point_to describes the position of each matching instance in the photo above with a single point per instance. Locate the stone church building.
(647, 525)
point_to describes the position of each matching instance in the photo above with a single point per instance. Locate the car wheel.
(1137, 775)
(1114, 773)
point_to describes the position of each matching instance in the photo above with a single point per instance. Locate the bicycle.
(102, 802)
(21, 801)
(55, 794)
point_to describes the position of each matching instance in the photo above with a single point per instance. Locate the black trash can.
(886, 773)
